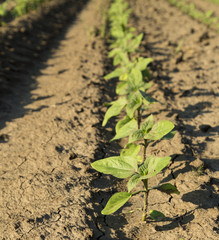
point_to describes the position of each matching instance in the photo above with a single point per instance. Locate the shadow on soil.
(21, 45)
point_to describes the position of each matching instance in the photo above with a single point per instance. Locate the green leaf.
(114, 52)
(147, 99)
(134, 103)
(121, 123)
(156, 215)
(116, 73)
(134, 44)
(147, 124)
(133, 181)
(123, 77)
(125, 127)
(159, 130)
(146, 74)
(131, 150)
(122, 88)
(118, 58)
(116, 202)
(115, 109)
(132, 160)
(169, 136)
(121, 57)
(167, 188)
(145, 87)
(136, 135)
(143, 169)
(155, 165)
(135, 79)
(120, 167)
(143, 63)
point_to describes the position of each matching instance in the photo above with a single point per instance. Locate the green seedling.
(192, 11)
(135, 98)
(213, 1)
(126, 67)
(24, 6)
(139, 169)
(199, 171)
(179, 46)
(17, 8)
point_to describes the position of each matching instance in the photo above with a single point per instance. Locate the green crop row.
(213, 1)
(190, 9)
(15, 8)
(137, 125)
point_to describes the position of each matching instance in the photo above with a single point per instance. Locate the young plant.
(139, 169)
(133, 97)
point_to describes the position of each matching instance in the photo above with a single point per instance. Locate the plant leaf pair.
(151, 131)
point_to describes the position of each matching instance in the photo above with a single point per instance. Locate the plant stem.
(145, 148)
(145, 182)
(135, 193)
(139, 117)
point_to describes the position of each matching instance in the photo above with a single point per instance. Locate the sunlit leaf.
(143, 88)
(115, 109)
(131, 150)
(133, 181)
(120, 167)
(143, 169)
(143, 63)
(123, 77)
(122, 88)
(113, 52)
(124, 130)
(115, 202)
(134, 103)
(136, 135)
(135, 79)
(116, 73)
(155, 165)
(147, 124)
(134, 44)
(159, 130)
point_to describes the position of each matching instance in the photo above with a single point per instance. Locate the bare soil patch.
(51, 66)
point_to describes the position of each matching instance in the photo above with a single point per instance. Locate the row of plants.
(213, 1)
(10, 9)
(190, 9)
(137, 125)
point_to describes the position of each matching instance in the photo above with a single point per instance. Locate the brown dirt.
(48, 113)
(52, 91)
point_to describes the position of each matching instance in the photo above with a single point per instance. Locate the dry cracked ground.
(51, 107)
